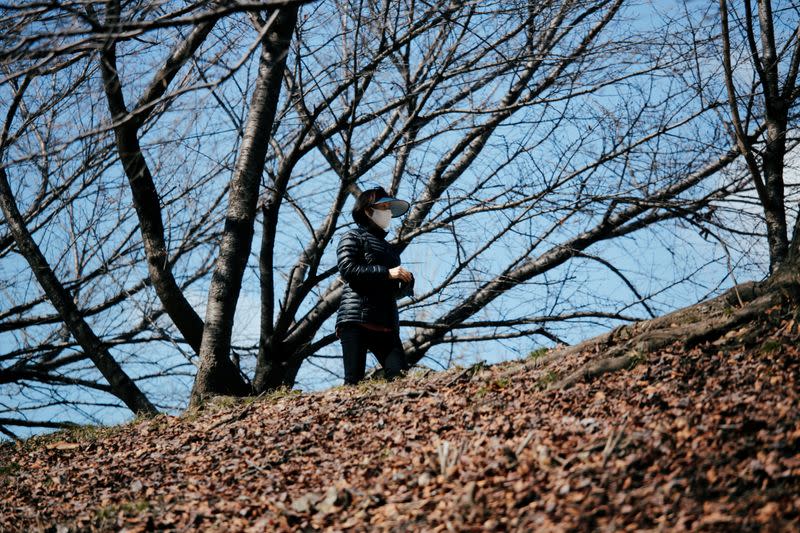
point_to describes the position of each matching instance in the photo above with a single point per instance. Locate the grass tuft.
(538, 353)
(546, 380)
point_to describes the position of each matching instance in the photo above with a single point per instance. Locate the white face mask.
(382, 217)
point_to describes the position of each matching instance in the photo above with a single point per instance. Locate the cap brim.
(397, 207)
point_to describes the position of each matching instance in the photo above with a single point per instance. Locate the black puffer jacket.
(369, 296)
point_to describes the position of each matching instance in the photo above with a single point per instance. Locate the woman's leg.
(388, 350)
(354, 352)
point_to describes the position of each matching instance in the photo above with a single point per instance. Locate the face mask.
(382, 217)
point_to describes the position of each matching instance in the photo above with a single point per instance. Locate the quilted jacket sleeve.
(350, 258)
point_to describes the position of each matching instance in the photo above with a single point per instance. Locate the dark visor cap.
(397, 207)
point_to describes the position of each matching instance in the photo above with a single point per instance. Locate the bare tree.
(212, 340)
(730, 67)
(415, 94)
(46, 49)
(543, 144)
(120, 383)
(760, 114)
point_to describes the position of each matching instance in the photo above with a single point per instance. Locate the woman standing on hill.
(373, 281)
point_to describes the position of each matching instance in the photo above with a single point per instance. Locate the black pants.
(386, 347)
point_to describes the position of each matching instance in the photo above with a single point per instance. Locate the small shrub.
(636, 359)
(9, 469)
(222, 403)
(481, 392)
(76, 433)
(538, 353)
(771, 347)
(275, 395)
(106, 516)
(500, 383)
(547, 379)
(493, 386)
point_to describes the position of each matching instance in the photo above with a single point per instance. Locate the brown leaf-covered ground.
(700, 439)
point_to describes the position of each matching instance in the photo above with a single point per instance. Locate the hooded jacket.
(369, 296)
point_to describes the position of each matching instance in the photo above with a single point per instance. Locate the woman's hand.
(400, 273)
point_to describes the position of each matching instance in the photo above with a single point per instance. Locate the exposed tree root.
(730, 314)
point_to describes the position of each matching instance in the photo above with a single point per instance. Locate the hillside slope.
(706, 438)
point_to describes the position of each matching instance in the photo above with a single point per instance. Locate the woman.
(373, 281)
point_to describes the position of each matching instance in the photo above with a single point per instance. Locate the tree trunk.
(765, 62)
(267, 330)
(794, 246)
(146, 200)
(216, 374)
(122, 386)
(278, 369)
(775, 207)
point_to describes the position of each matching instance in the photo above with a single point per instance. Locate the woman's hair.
(365, 200)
